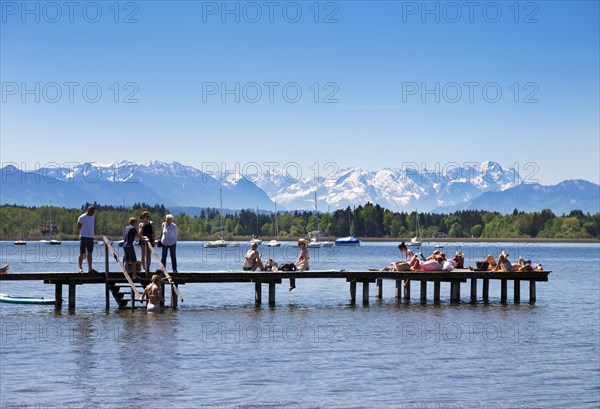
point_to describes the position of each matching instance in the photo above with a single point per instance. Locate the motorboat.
(20, 243)
(347, 241)
(215, 243)
(274, 243)
(313, 244)
(50, 241)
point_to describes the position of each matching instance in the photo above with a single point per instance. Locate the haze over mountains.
(481, 186)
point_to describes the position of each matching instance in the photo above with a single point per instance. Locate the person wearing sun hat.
(302, 261)
(459, 259)
(503, 263)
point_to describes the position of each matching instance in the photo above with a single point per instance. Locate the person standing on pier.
(302, 261)
(85, 227)
(129, 236)
(169, 241)
(146, 232)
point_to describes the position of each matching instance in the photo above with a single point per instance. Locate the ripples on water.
(313, 349)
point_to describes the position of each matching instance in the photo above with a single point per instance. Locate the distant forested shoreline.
(368, 221)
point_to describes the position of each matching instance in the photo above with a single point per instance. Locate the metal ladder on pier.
(115, 289)
(125, 298)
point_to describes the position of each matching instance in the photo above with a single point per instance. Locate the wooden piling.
(57, 296)
(503, 290)
(486, 290)
(423, 290)
(406, 290)
(517, 291)
(454, 291)
(379, 289)
(365, 297)
(106, 296)
(398, 290)
(532, 291)
(173, 297)
(353, 291)
(271, 294)
(473, 290)
(258, 293)
(436, 291)
(72, 288)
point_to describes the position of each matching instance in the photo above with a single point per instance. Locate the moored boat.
(347, 241)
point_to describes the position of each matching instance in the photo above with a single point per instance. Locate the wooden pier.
(403, 281)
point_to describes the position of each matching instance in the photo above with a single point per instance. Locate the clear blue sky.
(379, 67)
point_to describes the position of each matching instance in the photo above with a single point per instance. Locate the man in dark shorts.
(129, 237)
(85, 226)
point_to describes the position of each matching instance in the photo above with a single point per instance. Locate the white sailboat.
(22, 241)
(275, 242)
(220, 242)
(255, 238)
(416, 241)
(48, 237)
(315, 242)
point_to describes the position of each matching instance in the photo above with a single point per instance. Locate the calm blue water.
(313, 349)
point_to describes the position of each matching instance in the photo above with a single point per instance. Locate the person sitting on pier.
(301, 262)
(503, 263)
(129, 237)
(153, 292)
(252, 259)
(4, 269)
(459, 259)
(271, 265)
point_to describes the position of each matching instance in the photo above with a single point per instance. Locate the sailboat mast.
(221, 212)
(276, 226)
(316, 211)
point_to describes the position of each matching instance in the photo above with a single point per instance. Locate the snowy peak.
(485, 185)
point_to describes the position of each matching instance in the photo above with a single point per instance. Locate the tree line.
(365, 221)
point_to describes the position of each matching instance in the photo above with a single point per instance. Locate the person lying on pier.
(129, 237)
(4, 269)
(153, 292)
(301, 262)
(252, 259)
(429, 265)
(527, 265)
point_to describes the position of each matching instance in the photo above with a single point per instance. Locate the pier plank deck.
(402, 279)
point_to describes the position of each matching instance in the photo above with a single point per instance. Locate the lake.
(313, 349)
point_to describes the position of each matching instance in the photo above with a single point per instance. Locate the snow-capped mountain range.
(483, 185)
